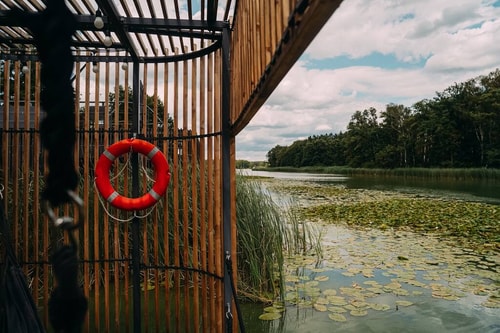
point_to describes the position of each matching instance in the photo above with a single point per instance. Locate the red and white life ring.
(162, 174)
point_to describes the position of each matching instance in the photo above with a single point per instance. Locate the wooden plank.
(175, 158)
(185, 194)
(26, 170)
(95, 210)
(145, 252)
(5, 136)
(195, 175)
(290, 49)
(14, 154)
(210, 194)
(126, 232)
(36, 187)
(218, 239)
(86, 191)
(155, 222)
(105, 219)
(116, 229)
(203, 203)
(166, 214)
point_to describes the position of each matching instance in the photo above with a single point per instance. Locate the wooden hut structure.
(185, 75)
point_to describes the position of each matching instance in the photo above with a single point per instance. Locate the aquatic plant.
(265, 232)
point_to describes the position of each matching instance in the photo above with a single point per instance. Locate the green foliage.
(459, 128)
(265, 231)
(470, 222)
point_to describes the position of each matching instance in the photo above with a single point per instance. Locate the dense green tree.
(459, 127)
(294, 155)
(395, 132)
(274, 156)
(363, 138)
(150, 107)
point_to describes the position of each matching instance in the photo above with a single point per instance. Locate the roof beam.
(113, 19)
(211, 12)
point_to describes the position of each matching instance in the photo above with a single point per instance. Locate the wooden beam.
(304, 24)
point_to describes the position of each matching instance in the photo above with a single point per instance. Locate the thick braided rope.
(52, 30)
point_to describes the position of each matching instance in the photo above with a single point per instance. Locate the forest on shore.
(458, 128)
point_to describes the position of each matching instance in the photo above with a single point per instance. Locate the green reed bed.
(425, 173)
(266, 231)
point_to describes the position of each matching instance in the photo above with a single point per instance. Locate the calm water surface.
(481, 191)
(426, 314)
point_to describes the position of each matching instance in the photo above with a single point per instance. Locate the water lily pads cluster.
(380, 269)
(362, 273)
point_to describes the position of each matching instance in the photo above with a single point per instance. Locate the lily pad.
(358, 312)
(329, 292)
(336, 309)
(320, 307)
(404, 303)
(270, 316)
(337, 317)
(321, 278)
(274, 309)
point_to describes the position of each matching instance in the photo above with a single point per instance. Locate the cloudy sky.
(370, 54)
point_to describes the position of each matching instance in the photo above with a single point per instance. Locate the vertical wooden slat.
(195, 174)
(27, 225)
(116, 230)
(105, 219)
(145, 282)
(36, 186)
(267, 32)
(77, 153)
(219, 269)
(126, 236)
(203, 205)
(185, 192)
(86, 191)
(14, 153)
(210, 195)
(177, 290)
(95, 210)
(166, 213)
(156, 243)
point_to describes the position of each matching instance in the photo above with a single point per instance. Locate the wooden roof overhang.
(267, 37)
(143, 31)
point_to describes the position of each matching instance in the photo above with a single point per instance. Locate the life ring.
(103, 166)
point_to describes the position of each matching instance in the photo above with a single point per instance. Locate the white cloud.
(453, 41)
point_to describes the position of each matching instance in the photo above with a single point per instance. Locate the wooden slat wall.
(183, 231)
(268, 37)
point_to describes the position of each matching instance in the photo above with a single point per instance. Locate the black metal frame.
(217, 36)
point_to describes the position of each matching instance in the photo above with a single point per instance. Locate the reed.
(266, 231)
(426, 173)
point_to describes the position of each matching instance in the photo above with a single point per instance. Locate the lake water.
(387, 281)
(480, 191)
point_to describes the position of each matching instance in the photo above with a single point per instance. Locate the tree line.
(458, 128)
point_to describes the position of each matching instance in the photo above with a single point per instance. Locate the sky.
(372, 53)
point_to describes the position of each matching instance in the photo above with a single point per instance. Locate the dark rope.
(52, 30)
(18, 311)
(229, 268)
(67, 303)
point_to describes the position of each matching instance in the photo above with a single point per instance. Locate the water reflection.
(384, 281)
(405, 282)
(480, 191)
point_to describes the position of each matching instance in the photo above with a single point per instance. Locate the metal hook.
(67, 223)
